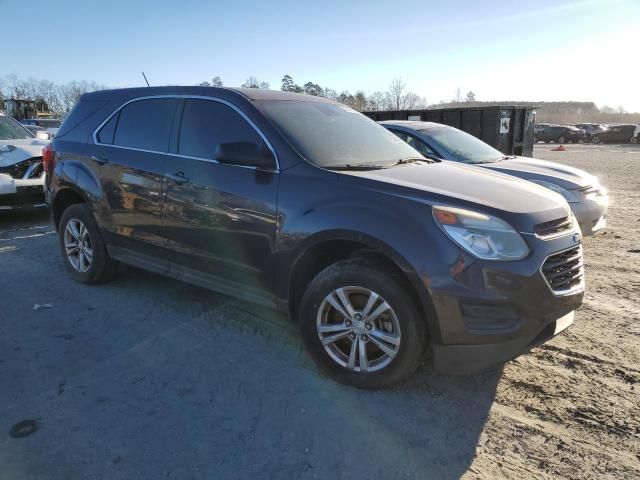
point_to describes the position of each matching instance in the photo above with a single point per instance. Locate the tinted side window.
(206, 124)
(107, 132)
(146, 124)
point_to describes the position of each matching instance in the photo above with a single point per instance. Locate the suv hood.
(532, 169)
(470, 187)
(15, 151)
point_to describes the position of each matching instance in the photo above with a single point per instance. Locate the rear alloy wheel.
(634, 140)
(561, 139)
(361, 326)
(84, 252)
(78, 245)
(595, 139)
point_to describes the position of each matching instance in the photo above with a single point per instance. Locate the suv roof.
(248, 93)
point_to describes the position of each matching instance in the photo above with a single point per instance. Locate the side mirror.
(245, 153)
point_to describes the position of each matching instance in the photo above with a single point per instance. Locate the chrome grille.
(564, 271)
(554, 227)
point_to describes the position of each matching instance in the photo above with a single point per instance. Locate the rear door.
(128, 157)
(219, 219)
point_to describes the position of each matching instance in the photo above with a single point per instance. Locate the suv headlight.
(482, 235)
(568, 195)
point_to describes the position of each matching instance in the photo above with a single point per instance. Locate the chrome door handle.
(100, 158)
(177, 177)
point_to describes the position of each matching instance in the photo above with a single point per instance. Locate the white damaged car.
(21, 170)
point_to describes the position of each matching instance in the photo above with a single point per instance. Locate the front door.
(219, 219)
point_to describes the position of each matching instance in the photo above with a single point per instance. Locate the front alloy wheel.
(361, 325)
(358, 329)
(78, 245)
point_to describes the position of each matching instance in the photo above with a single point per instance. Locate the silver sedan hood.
(533, 169)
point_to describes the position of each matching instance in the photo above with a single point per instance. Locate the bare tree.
(413, 101)
(216, 81)
(376, 101)
(396, 93)
(253, 82)
(15, 87)
(457, 95)
(359, 101)
(471, 97)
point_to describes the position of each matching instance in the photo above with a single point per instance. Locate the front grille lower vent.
(564, 271)
(554, 227)
(20, 169)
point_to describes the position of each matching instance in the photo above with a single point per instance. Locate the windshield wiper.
(357, 166)
(505, 157)
(404, 161)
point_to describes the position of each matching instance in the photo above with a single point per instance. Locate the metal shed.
(509, 128)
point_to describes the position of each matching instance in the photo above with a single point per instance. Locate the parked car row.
(586, 132)
(380, 240)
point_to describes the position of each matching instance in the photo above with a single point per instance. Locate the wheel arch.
(327, 248)
(64, 198)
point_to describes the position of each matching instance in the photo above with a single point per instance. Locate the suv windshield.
(465, 148)
(332, 135)
(12, 130)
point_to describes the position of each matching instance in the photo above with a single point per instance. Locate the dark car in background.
(559, 134)
(303, 204)
(615, 134)
(590, 128)
(586, 197)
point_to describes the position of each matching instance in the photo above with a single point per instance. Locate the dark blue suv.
(305, 205)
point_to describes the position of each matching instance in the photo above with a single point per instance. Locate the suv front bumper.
(491, 312)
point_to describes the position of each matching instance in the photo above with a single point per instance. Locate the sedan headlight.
(568, 195)
(482, 235)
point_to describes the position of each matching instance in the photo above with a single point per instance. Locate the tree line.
(60, 98)
(49, 96)
(396, 97)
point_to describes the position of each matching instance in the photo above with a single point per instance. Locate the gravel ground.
(150, 378)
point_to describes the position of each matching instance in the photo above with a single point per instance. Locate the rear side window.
(206, 124)
(144, 124)
(107, 133)
(82, 111)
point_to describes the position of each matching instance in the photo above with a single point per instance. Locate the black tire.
(102, 267)
(561, 139)
(595, 139)
(393, 289)
(634, 139)
(535, 139)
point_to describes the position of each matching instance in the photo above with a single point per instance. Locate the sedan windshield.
(463, 147)
(12, 130)
(331, 135)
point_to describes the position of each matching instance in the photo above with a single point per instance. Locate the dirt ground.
(571, 408)
(146, 377)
